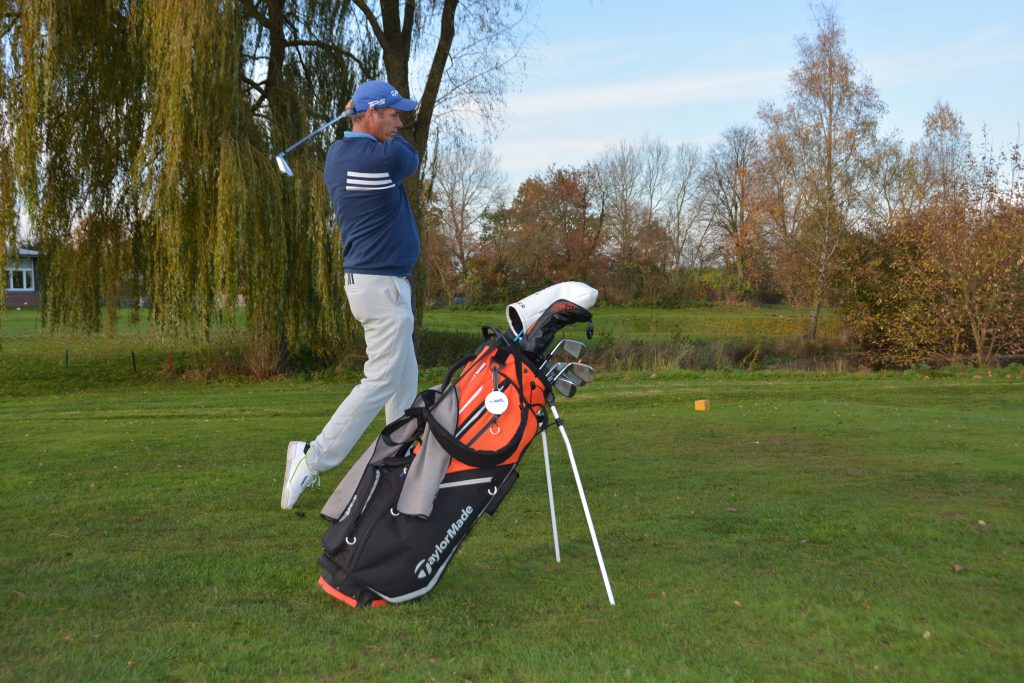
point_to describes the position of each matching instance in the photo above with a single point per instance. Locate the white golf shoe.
(297, 475)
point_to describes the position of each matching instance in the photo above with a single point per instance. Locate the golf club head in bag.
(579, 374)
(523, 313)
(571, 348)
(554, 371)
(560, 314)
(565, 387)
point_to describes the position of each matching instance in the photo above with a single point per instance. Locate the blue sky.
(600, 71)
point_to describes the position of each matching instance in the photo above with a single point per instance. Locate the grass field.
(716, 337)
(809, 527)
(698, 323)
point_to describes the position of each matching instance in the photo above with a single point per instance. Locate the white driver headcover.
(525, 312)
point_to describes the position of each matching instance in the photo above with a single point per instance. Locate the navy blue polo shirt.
(364, 178)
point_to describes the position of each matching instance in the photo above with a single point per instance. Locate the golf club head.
(554, 371)
(282, 165)
(579, 373)
(571, 348)
(565, 387)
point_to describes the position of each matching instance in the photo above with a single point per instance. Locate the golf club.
(572, 349)
(580, 373)
(283, 166)
(565, 387)
(565, 371)
(551, 355)
(555, 371)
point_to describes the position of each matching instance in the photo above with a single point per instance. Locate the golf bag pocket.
(381, 482)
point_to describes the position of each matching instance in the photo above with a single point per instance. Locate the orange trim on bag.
(335, 593)
(338, 595)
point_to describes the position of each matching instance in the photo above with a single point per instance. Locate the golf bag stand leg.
(551, 494)
(583, 500)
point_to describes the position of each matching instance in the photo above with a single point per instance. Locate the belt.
(350, 278)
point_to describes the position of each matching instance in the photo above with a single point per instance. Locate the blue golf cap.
(378, 95)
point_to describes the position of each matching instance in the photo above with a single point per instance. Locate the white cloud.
(521, 159)
(664, 91)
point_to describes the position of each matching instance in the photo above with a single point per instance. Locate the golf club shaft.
(319, 130)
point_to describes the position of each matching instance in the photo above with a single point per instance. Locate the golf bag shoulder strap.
(471, 456)
(393, 434)
(455, 368)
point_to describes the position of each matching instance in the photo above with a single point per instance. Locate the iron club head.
(565, 387)
(571, 348)
(555, 371)
(579, 373)
(282, 165)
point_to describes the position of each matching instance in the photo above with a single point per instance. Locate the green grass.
(696, 323)
(699, 323)
(32, 359)
(808, 527)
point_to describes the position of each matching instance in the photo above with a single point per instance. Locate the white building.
(22, 274)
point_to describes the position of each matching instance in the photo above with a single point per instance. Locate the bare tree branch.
(335, 50)
(372, 21)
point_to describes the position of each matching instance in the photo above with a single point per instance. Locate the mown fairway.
(809, 526)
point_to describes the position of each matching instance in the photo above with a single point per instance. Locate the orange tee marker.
(702, 405)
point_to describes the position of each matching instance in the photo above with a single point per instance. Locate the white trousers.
(383, 306)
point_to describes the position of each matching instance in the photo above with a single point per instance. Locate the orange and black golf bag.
(405, 507)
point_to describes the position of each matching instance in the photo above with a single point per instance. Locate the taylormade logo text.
(424, 567)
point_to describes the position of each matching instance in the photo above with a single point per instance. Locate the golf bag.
(405, 507)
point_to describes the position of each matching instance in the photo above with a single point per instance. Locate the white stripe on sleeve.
(363, 188)
(373, 176)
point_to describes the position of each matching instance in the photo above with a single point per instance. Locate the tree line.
(136, 140)
(919, 244)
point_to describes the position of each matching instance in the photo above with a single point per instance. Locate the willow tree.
(142, 135)
(72, 125)
(8, 201)
(230, 83)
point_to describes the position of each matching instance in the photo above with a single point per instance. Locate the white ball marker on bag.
(496, 403)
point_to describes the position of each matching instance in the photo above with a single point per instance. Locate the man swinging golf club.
(364, 173)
